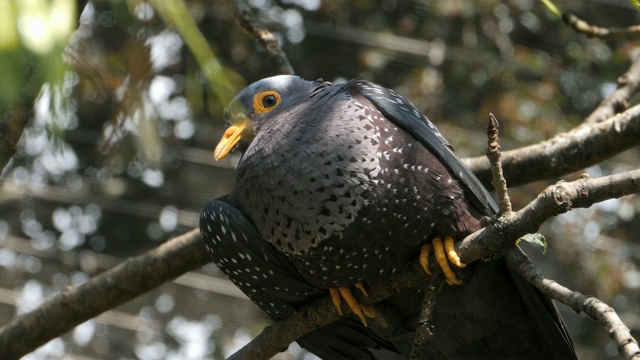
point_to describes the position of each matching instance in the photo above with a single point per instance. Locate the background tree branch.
(77, 304)
(619, 99)
(567, 152)
(594, 31)
(264, 37)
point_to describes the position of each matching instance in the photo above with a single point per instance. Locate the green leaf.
(536, 239)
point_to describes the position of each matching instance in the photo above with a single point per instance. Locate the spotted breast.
(346, 194)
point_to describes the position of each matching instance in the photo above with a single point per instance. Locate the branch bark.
(598, 310)
(581, 147)
(264, 37)
(594, 31)
(618, 100)
(494, 154)
(554, 200)
(77, 304)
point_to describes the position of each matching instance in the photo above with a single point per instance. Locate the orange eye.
(265, 101)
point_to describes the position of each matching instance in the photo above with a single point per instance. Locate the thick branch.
(485, 243)
(554, 200)
(277, 337)
(618, 331)
(566, 152)
(77, 304)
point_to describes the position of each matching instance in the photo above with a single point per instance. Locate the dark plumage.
(345, 183)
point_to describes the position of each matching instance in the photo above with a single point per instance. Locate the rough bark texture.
(566, 152)
(618, 331)
(77, 304)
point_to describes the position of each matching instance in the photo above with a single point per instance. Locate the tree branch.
(77, 304)
(594, 31)
(265, 38)
(627, 345)
(554, 200)
(618, 100)
(494, 154)
(567, 152)
(598, 310)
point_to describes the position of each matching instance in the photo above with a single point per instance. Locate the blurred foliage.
(223, 82)
(139, 111)
(33, 35)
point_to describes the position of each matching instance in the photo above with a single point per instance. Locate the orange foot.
(443, 251)
(337, 294)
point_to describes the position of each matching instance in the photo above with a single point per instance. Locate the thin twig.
(567, 152)
(494, 153)
(594, 31)
(598, 310)
(627, 345)
(265, 38)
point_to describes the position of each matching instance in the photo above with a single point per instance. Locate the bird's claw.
(337, 294)
(444, 253)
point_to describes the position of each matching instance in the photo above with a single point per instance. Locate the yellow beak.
(231, 136)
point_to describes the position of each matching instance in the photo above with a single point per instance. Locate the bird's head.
(258, 104)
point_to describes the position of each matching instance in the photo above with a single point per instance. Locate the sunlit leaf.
(535, 239)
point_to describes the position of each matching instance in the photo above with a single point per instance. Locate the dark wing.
(253, 265)
(402, 113)
(271, 282)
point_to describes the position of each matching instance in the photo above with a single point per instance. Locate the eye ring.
(266, 101)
